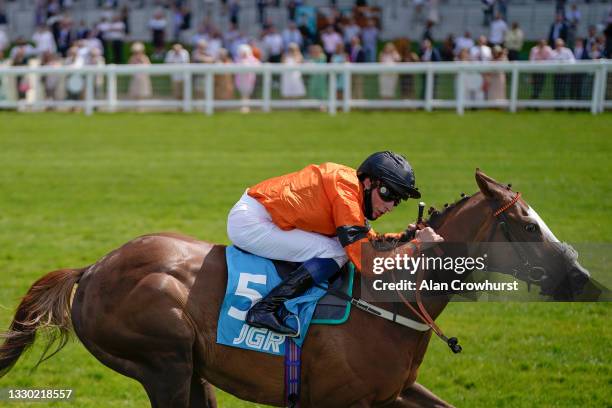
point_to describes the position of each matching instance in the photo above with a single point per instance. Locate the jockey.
(318, 216)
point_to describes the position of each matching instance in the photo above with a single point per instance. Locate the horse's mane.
(437, 217)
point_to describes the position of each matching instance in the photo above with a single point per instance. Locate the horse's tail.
(45, 306)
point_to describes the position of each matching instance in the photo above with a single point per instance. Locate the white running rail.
(595, 83)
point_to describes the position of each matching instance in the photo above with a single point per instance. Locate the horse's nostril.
(579, 276)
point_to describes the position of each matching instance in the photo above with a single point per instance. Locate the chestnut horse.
(149, 310)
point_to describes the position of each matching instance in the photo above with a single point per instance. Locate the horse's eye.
(531, 227)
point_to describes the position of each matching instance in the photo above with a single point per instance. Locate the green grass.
(73, 187)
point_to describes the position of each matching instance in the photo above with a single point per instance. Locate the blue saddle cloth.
(250, 278)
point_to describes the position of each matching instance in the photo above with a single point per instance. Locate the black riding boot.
(264, 314)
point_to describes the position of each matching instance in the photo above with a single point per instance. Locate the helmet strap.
(367, 200)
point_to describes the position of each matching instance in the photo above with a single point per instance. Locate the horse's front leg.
(417, 396)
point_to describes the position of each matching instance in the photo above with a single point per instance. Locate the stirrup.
(299, 326)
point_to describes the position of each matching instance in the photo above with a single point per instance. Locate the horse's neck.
(463, 223)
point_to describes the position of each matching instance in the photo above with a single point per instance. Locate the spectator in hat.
(292, 84)
(497, 80)
(177, 55)
(245, 82)
(387, 83)
(140, 85)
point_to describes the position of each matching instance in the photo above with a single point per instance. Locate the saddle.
(330, 308)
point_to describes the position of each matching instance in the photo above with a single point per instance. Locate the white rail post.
(89, 93)
(37, 90)
(332, 93)
(187, 91)
(514, 89)
(346, 92)
(210, 93)
(604, 86)
(267, 88)
(111, 88)
(429, 85)
(460, 92)
(597, 85)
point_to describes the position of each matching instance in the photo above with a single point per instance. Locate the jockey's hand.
(410, 232)
(428, 237)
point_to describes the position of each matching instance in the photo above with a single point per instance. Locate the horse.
(149, 311)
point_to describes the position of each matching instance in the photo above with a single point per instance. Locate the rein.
(376, 311)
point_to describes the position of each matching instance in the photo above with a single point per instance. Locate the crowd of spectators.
(57, 41)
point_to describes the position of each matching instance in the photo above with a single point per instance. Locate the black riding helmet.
(392, 171)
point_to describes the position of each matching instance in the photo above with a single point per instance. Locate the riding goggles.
(388, 195)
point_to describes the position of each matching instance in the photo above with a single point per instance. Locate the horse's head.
(533, 254)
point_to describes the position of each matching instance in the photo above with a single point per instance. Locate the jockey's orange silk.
(318, 198)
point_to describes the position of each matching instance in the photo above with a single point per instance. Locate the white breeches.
(250, 227)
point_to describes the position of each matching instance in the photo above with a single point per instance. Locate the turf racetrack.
(72, 188)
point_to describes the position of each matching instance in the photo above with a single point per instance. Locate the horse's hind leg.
(168, 387)
(144, 336)
(417, 396)
(202, 393)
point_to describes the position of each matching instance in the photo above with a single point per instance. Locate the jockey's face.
(379, 206)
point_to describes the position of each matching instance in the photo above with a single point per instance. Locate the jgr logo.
(260, 339)
(252, 337)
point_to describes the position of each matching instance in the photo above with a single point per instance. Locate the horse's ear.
(489, 187)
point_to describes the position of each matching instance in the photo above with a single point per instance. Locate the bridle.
(527, 269)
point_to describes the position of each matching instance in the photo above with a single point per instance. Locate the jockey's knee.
(321, 269)
(341, 259)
